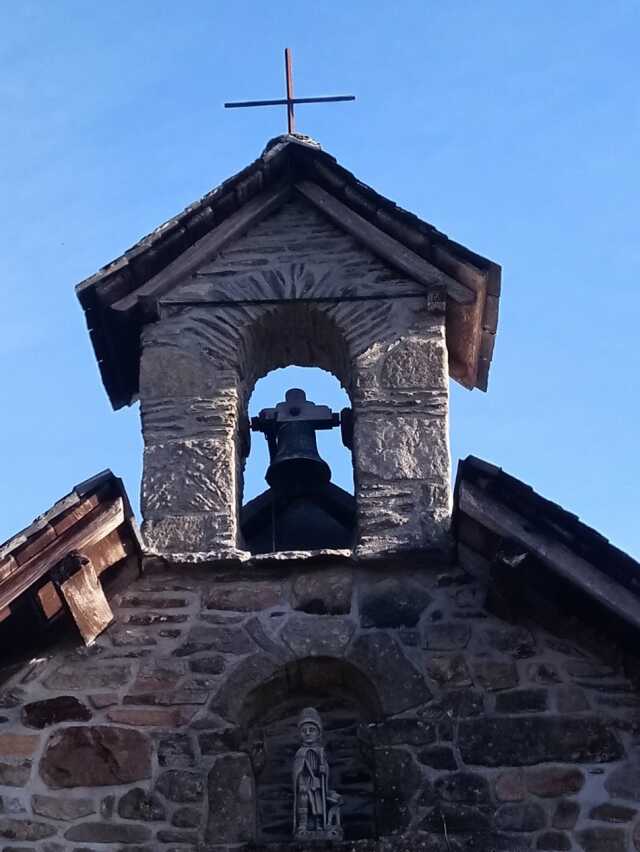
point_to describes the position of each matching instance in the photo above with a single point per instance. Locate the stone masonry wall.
(199, 366)
(472, 733)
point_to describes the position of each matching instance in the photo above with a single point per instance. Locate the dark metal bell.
(296, 466)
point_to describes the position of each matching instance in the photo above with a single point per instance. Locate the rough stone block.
(95, 756)
(24, 829)
(451, 671)
(602, 840)
(566, 814)
(108, 832)
(246, 595)
(522, 701)
(50, 711)
(62, 808)
(139, 804)
(554, 781)
(396, 779)
(495, 674)
(232, 817)
(402, 447)
(469, 787)
(318, 636)
(324, 592)
(87, 675)
(416, 363)
(393, 603)
(526, 740)
(520, 816)
(447, 637)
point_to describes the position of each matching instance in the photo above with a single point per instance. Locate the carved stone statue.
(316, 808)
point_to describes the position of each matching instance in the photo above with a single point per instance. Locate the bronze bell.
(290, 429)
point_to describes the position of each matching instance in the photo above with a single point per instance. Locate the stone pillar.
(189, 416)
(401, 446)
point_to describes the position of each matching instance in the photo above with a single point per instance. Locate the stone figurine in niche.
(316, 808)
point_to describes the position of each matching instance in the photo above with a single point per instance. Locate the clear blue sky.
(512, 127)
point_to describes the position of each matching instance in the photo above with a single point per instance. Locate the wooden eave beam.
(381, 244)
(100, 523)
(498, 518)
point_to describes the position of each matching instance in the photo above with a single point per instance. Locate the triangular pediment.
(290, 174)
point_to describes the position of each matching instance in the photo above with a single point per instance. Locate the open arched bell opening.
(346, 701)
(300, 446)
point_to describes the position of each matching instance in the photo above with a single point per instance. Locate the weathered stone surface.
(453, 819)
(132, 638)
(324, 592)
(466, 787)
(495, 674)
(520, 816)
(18, 745)
(602, 840)
(152, 717)
(510, 786)
(447, 637)
(171, 698)
(221, 740)
(393, 732)
(12, 805)
(249, 674)
(609, 812)
(208, 665)
(50, 711)
(104, 699)
(554, 780)
(566, 814)
(154, 618)
(399, 685)
(525, 740)
(169, 835)
(86, 756)
(624, 781)
(456, 704)
(181, 786)
(400, 448)
(438, 757)
(543, 672)
(175, 750)
(318, 636)
(522, 701)
(396, 779)
(62, 809)
(24, 829)
(108, 832)
(415, 362)
(186, 817)
(635, 839)
(393, 603)
(224, 640)
(553, 840)
(232, 817)
(141, 805)
(15, 774)
(451, 671)
(516, 641)
(154, 602)
(246, 595)
(588, 668)
(571, 699)
(86, 675)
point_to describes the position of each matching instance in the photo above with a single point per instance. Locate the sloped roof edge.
(471, 329)
(511, 511)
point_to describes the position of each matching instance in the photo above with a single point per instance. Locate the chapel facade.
(413, 666)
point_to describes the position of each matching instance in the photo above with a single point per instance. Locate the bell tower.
(293, 261)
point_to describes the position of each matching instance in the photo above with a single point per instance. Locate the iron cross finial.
(290, 100)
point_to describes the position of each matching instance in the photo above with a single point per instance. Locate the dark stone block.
(553, 840)
(520, 816)
(393, 603)
(168, 835)
(108, 832)
(86, 756)
(396, 780)
(399, 732)
(50, 711)
(522, 701)
(15, 774)
(608, 812)
(495, 674)
(86, 676)
(466, 787)
(186, 818)
(140, 805)
(175, 750)
(447, 637)
(516, 641)
(323, 593)
(624, 781)
(526, 740)
(457, 704)
(181, 786)
(220, 740)
(400, 685)
(571, 699)
(449, 671)
(454, 819)
(438, 757)
(602, 839)
(232, 817)
(224, 640)
(566, 814)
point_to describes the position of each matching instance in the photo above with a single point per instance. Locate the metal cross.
(290, 100)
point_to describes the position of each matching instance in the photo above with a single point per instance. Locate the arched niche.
(347, 701)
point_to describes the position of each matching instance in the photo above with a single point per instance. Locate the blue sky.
(513, 127)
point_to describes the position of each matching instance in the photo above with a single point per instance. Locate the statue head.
(310, 726)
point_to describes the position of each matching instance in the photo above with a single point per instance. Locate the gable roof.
(95, 518)
(113, 299)
(496, 514)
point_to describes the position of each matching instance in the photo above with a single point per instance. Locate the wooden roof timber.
(114, 300)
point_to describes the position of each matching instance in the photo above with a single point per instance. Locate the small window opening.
(299, 426)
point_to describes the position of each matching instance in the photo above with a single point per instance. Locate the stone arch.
(199, 365)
